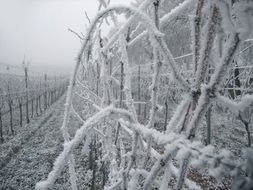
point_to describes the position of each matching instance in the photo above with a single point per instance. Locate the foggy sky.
(39, 30)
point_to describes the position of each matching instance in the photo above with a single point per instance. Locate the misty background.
(38, 29)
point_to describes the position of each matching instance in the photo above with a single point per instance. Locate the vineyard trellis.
(137, 154)
(21, 95)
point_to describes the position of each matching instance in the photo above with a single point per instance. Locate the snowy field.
(29, 156)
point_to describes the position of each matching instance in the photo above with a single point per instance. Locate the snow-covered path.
(31, 158)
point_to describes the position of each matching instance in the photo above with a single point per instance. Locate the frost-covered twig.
(88, 100)
(155, 78)
(130, 105)
(203, 57)
(127, 74)
(180, 110)
(88, 90)
(196, 33)
(87, 17)
(80, 37)
(236, 107)
(76, 114)
(208, 91)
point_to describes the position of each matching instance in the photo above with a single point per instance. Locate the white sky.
(38, 29)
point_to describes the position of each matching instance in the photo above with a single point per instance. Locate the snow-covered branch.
(236, 106)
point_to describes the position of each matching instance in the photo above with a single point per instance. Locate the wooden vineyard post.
(40, 103)
(37, 105)
(166, 113)
(32, 101)
(48, 98)
(1, 127)
(1, 121)
(52, 97)
(20, 111)
(32, 108)
(27, 96)
(55, 89)
(39, 98)
(45, 94)
(11, 115)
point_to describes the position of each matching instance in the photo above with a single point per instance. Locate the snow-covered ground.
(29, 157)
